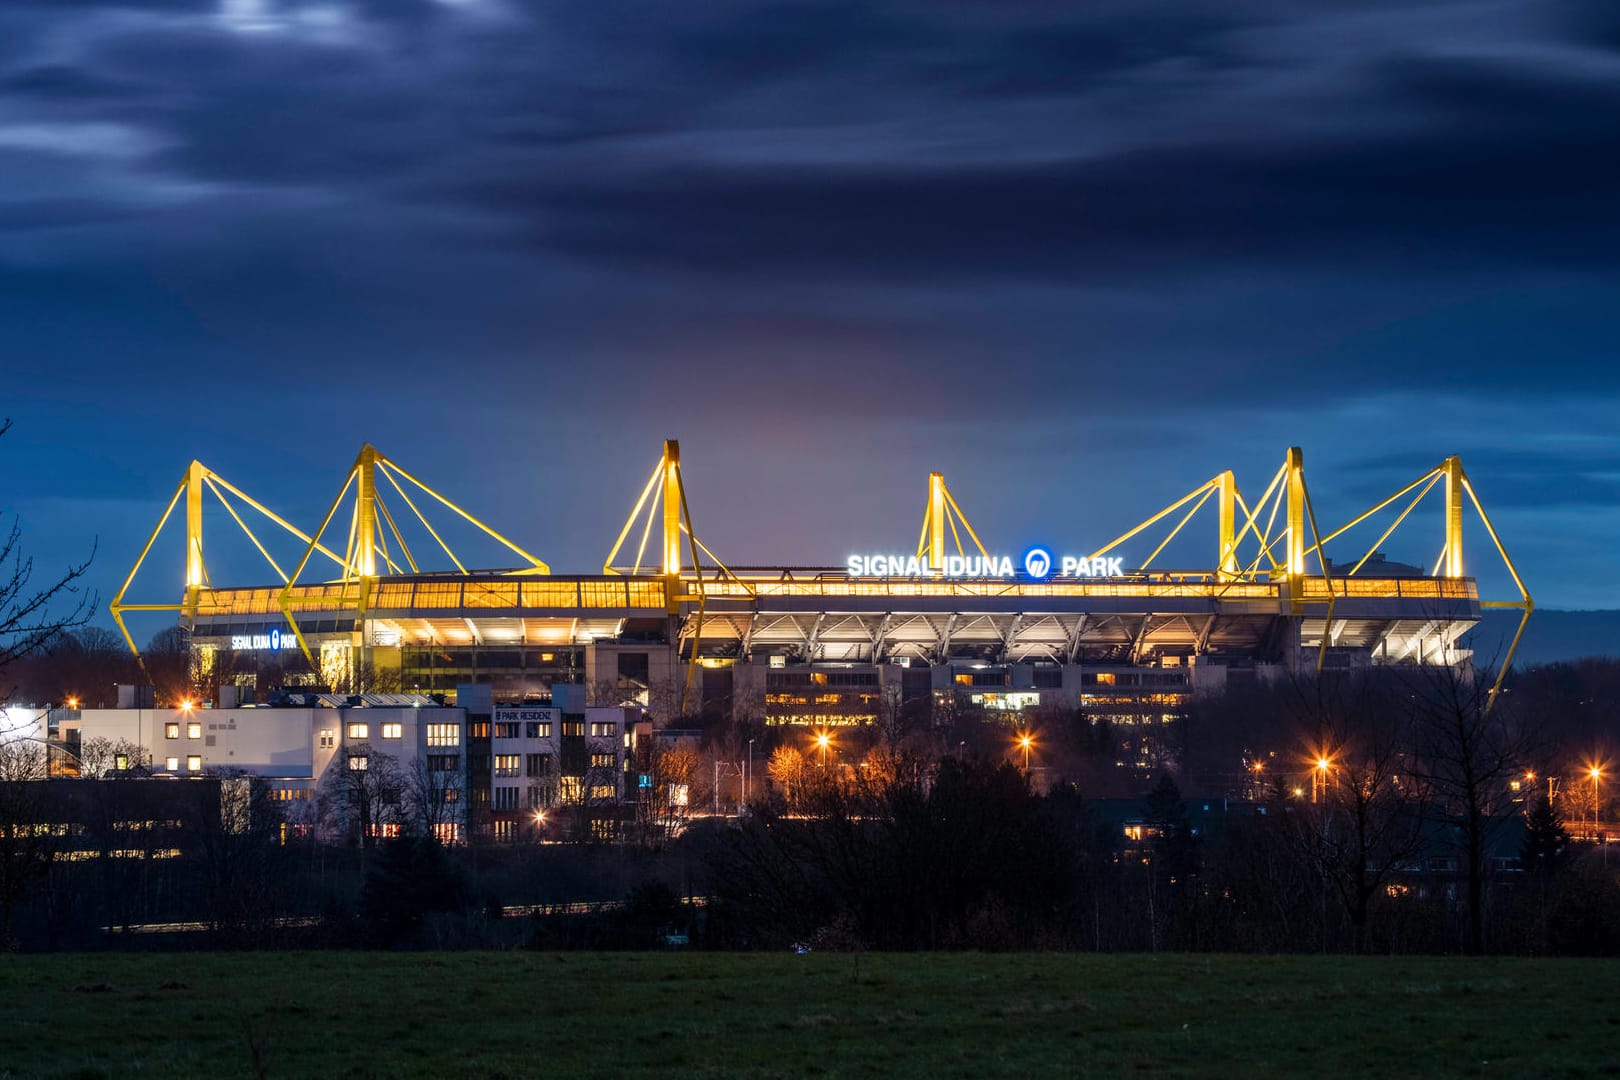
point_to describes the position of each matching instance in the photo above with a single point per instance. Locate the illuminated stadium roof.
(1269, 588)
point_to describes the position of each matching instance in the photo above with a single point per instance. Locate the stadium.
(945, 623)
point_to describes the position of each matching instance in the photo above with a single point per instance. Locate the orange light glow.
(1323, 764)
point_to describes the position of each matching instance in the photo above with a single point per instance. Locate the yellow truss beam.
(1450, 563)
(941, 514)
(663, 498)
(371, 522)
(198, 480)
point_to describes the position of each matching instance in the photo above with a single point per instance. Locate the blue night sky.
(1077, 257)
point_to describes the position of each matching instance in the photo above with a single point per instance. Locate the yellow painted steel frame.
(198, 479)
(670, 505)
(1457, 484)
(942, 513)
(368, 537)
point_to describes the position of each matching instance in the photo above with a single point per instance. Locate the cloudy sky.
(1077, 257)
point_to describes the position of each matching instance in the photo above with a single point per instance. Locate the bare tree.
(433, 795)
(1369, 810)
(363, 794)
(100, 757)
(1468, 754)
(32, 615)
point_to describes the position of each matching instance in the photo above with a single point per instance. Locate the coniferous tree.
(1546, 841)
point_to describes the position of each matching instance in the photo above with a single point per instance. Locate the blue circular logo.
(275, 638)
(1037, 562)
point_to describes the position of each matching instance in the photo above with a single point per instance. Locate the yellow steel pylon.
(198, 480)
(942, 513)
(1450, 562)
(371, 523)
(664, 498)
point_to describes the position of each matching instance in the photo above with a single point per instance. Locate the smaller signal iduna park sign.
(1037, 563)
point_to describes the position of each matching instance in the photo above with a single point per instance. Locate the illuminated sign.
(271, 641)
(1037, 563)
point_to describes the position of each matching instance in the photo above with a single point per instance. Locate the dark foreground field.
(577, 1014)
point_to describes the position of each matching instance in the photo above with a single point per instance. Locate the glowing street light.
(1596, 773)
(823, 740)
(1025, 741)
(1319, 776)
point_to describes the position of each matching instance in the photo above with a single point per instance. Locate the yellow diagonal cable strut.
(1529, 604)
(956, 537)
(1364, 515)
(354, 528)
(272, 515)
(658, 472)
(399, 539)
(922, 536)
(419, 517)
(1321, 560)
(1188, 517)
(703, 595)
(646, 532)
(1441, 561)
(539, 564)
(117, 607)
(1254, 515)
(1166, 512)
(382, 536)
(1265, 544)
(716, 559)
(229, 509)
(950, 500)
(1395, 524)
(286, 590)
(1468, 486)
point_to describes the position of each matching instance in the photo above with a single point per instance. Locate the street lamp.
(1319, 776)
(1596, 773)
(1025, 741)
(823, 740)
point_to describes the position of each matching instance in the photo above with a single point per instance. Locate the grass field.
(577, 1014)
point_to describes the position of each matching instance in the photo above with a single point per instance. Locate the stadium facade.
(949, 623)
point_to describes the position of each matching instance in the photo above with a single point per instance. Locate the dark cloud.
(1104, 248)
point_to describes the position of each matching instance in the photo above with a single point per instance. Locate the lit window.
(393, 731)
(540, 731)
(478, 729)
(171, 764)
(505, 830)
(601, 761)
(359, 731)
(569, 788)
(358, 762)
(444, 734)
(171, 731)
(604, 730)
(573, 728)
(194, 731)
(506, 729)
(193, 763)
(328, 739)
(507, 765)
(603, 791)
(121, 762)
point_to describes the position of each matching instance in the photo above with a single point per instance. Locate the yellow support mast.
(198, 479)
(1451, 563)
(941, 514)
(360, 559)
(663, 499)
